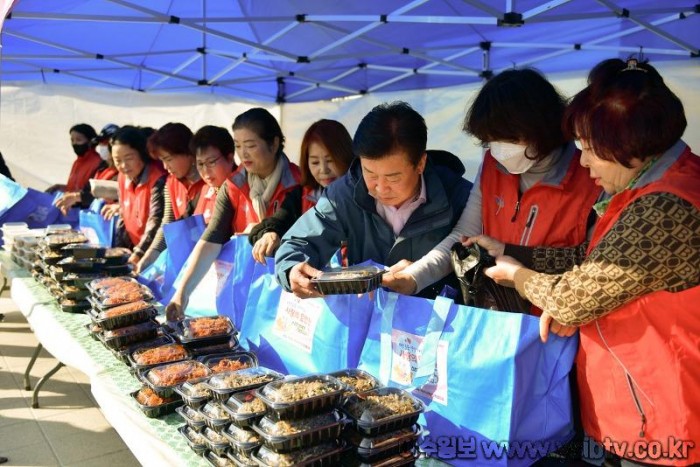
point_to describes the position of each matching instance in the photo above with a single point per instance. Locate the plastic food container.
(241, 439)
(93, 330)
(56, 241)
(199, 350)
(241, 460)
(117, 296)
(72, 292)
(148, 357)
(195, 440)
(350, 280)
(217, 461)
(232, 361)
(154, 406)
(195, 393)
(192, 417)
(127, 335)
(245, 408)
(302, 396)
(215, 416)
(288, 435)
(406, 458)
(79, 280)
(382, 410)
(372, 449)
(83, 251)
(163, 378)
(74, 306)
(205, 331)
(122, 353)
(87, 265)
(224, 384)
(215, 441)
(124, 315)
(356, 380)
(326, 454)
(97, 285)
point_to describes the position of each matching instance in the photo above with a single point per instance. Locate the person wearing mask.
(326, 154)
(86, 163)
(105, 171)
(141, 186)
(394, 203)
(254, 192)
(171, 145)
(531, 198)
(634, 297)
(213, 149)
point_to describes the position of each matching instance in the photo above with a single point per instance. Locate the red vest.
(551, 213)
(110, 173)
(238, 194)
(135, 200)
(308, 198)
(181, 194)
(206, 203)
(639, 366)
(82, 171)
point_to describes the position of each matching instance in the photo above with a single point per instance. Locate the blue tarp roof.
(306, 50)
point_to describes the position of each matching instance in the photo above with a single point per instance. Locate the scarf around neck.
(262, 189)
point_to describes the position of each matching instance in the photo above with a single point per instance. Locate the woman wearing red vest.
(213, 149)
(255, 191)
(635, 297)
(171, 145)
(530, 198)
(326, 154)
(141, 186)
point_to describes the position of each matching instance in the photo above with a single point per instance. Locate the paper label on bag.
(223, 271)
(436, 387)
(405, 356)
(296, 320)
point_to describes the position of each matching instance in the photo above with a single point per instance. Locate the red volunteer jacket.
(639, 366)
(206, 203)
(135, 200)
(182, 194)
(238, 194)
(83, 170)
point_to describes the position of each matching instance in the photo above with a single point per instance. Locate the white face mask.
(511, 156)
(103, 151)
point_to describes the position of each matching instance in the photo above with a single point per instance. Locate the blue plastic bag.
(96, 228)
(296, 336)
(496, 395)
(35, 208)
(10, 194)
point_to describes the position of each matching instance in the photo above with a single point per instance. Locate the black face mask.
(80, 149)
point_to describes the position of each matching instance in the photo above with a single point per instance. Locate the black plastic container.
(73, 306)
(115, 300)
(363, 410)
(203, 350)
(301, 433)
(231, 361)
(185, 331)
(83, 265)
(195, 393)
(215, 441)
(224, 384)
(189, 369)
(155, 411)
(194, 439)
(177, 353)
(71, 292)
(300, 397)
(356, 380)
(192, 417)
(80, 280)
(217, 461)
(242, 440)
(59, 240)
(93, 332)
(350, 280)
(243, 408)
(128, 335)
(83, 250)
(122, 353)
(215, 416)
(241, 460)
(323, 455)
(98, 285)
(373, 449)
(111, 318)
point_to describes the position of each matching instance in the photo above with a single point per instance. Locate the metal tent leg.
(37, 351)
(40, 383)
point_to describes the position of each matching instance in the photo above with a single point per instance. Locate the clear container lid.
(214, 437)
(232, 380)
(351, 273)
(297, 457)
(191, 414)
(357, 380)
(379, 404)
(194, 437)
(292, 390)
(241, 435)
(246, 403)
(214, 411)
(196, 389)
(176, 373)
(161, 354)
(282, 428)
(15, 227)
(206, 327)
(125, 309)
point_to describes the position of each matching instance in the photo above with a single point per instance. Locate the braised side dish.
(214, 437)
(239, 380)
(358, 382)
(124, 309)
(125, 293)
(196, 390)
(291, 392)
(251, 405)
(129, 330)
(147, 397)
(292, 427)
(195, 437)
(162, 354)
(206, 327)
(228, 364)
(176, 373)
(376, 407)
(242, 435)
(108, 282)
(214, 411)
(192, 414)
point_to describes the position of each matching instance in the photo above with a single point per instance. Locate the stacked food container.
(24, 250)
(383, 429)
(46, 269)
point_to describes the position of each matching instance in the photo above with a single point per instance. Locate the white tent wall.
(34, 119)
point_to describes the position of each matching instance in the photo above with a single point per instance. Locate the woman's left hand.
(504, 270)
(67, 201)
(548, 323)
(266, 246)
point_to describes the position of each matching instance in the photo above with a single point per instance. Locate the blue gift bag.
(296, 336)
(96, 228)
(10, 193)
(35, 208)
(496, 395)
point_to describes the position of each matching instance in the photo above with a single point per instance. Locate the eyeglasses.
(210, 164)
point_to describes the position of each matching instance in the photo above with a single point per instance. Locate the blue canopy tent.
(309, 50)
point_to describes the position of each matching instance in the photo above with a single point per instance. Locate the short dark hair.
(172, 137)
(133, 137)
(214, 136)
(626, 112)
(262, 123)
(84, 129)
(335, 138)
(389, 127)
(518, 105)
